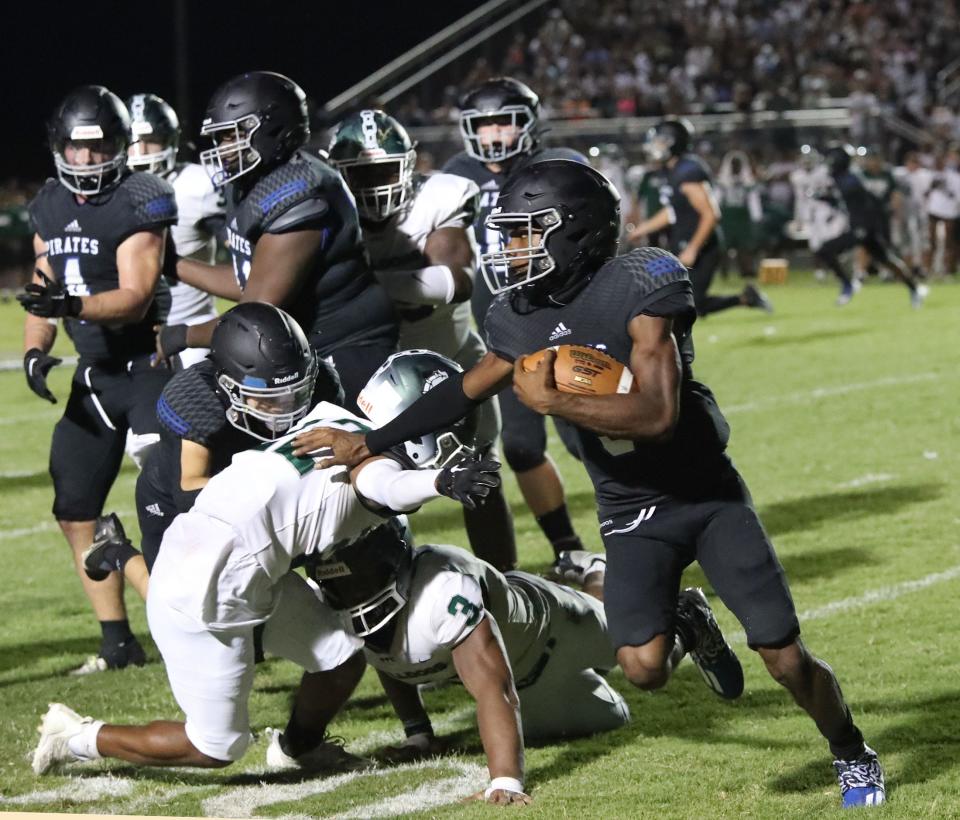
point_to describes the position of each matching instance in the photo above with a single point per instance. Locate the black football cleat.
(108, 531)
(718, 664)
(753, 297)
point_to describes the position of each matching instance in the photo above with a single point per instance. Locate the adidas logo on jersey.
(559, 331)
(154, 509)
(74, 227)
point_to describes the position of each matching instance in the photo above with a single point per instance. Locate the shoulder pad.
(190, 406)
(453, 198)
(463, 165)
(151, 198)
(647, 268)
(300, 180)
(689, 169)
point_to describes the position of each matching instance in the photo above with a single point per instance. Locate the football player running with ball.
(418, 234)
(667, 493)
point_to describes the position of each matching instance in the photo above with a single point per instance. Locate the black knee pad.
(521, 457)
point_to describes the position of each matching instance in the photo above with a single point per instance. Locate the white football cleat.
(59, 724)
(327, 756)
(919, 296)
(573, 566)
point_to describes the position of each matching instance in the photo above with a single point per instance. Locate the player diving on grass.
(224, 572)
(667, 493)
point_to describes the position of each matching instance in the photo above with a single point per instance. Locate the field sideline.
(845, 426)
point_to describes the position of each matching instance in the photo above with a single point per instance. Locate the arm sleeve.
(443, 405)
(386, 483)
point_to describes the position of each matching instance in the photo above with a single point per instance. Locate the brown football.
(580, 369)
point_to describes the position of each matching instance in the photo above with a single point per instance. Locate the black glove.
(37, 364)
(468, 480)
(49, 300)
(171, 340)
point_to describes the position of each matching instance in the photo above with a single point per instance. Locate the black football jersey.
(865, 210)
(639, 282)
(689, 168)
(341, 303)
(82, 241)
(490, 184)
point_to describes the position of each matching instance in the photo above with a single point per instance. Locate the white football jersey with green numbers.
(452, 591)
(221, 562)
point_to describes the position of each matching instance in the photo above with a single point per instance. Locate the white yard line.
(810, 396)
(45, 526)
(862, 481)
(869, 598)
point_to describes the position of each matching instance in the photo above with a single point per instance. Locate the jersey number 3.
(460, 604)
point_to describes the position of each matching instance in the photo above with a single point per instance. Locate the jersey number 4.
(73, 279)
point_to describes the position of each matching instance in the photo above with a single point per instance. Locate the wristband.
(507, 784)
(420, 726)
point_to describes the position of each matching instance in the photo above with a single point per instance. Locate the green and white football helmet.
(376, 157)
(402, 379)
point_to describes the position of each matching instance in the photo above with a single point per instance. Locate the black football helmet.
(376, 157)
(500, 101)
(668, 138)
(402, 379)
(569, 214)
(368, 578)
(152, 120)
(90, 117)
(267, 369)
(839, 156)
(256, 120)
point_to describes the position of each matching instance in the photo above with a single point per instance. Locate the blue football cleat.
(861, 780)
(717, 662)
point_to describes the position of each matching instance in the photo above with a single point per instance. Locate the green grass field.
(845, 426)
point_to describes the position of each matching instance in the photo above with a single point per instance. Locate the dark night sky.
(50, 47)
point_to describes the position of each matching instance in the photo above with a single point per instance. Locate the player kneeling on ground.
(667, 493)
(224, 572)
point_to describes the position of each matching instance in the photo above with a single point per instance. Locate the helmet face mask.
(88, 136)
(376, 157)
(382, 186)
(155, 135)
(268, 413)
(233, 154)
(514, 132)
(402, 379)
(522, 264)
(267, 369)
(91, 178)
(669, 138)
(368, 578)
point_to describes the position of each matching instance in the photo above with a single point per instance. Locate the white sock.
(84, 743)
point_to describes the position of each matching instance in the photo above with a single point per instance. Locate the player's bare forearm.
(39, 333)
(633, 416)
(219, 280)
(451, 247)
(657, 222)
(122, 305)
(200, 335)
(483, 668)
(700, 197)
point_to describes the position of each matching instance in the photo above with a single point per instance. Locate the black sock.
(115, 633)
(296, 740)
(558, 528)
(848, 743)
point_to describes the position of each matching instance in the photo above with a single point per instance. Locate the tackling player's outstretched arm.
(650, 414)
(450, 246)
(481, 662)
(448, 402)
(384, 484)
